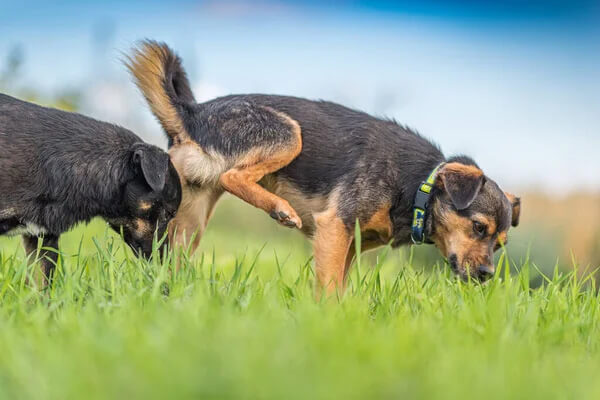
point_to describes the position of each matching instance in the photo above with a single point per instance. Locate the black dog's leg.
(47, 256)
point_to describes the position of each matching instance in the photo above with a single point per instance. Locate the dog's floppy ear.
(462, 183)
(516, 207)
(153, 164)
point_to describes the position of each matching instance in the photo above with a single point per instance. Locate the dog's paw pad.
(289, 222)
(287, 218)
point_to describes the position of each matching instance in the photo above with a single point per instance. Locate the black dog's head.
(151, 198)
(471, 218)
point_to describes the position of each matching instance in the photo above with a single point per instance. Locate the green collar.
(420, 208)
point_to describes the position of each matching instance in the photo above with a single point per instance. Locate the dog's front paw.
(286, 216)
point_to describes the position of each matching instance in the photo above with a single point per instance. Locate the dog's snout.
(453, 261)
(486, 271)
(146, 253)
(140, 248)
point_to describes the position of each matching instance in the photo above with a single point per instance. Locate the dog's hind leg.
(242, 180)
(188, 226)
(48, 254)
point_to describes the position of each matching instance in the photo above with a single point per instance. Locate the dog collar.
(420, 208)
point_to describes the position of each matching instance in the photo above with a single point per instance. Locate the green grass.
(239, 320)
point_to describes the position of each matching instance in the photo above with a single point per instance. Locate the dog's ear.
(516, 207)
(153, 164)
(462, 183)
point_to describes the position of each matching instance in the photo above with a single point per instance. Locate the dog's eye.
(479, 228)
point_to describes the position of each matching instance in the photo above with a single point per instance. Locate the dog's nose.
(486, 271)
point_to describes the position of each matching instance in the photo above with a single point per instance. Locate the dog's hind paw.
(286, 216)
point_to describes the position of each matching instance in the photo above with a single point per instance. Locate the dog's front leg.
(366, 246)
(331, 244)
(47, 256)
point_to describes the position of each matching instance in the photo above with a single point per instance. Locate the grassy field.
(240, 321)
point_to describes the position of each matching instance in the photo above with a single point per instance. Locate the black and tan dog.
(59, 168)
(320, 167)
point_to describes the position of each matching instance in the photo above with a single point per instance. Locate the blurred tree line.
(11, 72)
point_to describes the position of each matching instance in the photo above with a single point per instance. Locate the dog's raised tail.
(159, 75)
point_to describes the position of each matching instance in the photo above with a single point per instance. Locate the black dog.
(59, 168)
(320, 167)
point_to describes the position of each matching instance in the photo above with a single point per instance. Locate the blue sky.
(514, 84)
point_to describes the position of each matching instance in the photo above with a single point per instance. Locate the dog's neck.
(97, 188)
(401, 212)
